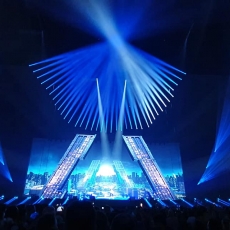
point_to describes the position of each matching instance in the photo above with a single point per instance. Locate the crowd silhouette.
(83, 215)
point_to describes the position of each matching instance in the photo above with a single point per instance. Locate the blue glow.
(117, 149)
(172, 201)
(112, 62)
(38, 200)
(161, 202)
(198, 202)
(148, 203)
(51, 202)
(75, 94)
(223, 202)
(1, 155)
(25, 200)
(219, 160)
(224, 121)
(189, 204)
(11, 200)
(66, 200)
(4, 170)
(103, 125)
(211, 202)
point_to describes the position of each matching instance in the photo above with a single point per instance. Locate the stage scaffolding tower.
(141, 153)
(55, 187)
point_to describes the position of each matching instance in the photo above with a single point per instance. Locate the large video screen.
(111, 176)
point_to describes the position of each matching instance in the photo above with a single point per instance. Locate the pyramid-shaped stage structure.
(56, 185)
(141, 153)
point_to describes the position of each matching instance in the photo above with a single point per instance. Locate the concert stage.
(81, 171)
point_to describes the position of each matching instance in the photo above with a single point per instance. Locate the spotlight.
(25, 200)
(198, 202)
(2, 197)
(211, 202)
(172, 201)
(223, 202)
(66, 200)
(161, 202)
(219, 160)
(189, 204)
(11, 200)
(75, 94)
(38, 200)
(148, 203)
(51, 202)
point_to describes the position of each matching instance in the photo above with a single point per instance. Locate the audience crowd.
(82, 215)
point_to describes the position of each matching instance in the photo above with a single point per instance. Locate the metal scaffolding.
(75, 152)
(141, 153)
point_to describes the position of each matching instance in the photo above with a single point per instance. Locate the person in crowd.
(11, 218)
(123, 221)
(101, 221)
(2, 214)
(49, 210)
(80, 216)
(214, 224)
(172, 220)
(47, 222)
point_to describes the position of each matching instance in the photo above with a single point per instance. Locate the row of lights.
(39, 200)
(196, 201)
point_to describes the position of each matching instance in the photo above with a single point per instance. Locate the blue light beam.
(219, 160)
(225, 203)
(117, 149)
(25, 200)
(11, 200)
(112, 62)
(104, 137)
(211, 202)
(4, 170)
(186, 202)
(1, 155)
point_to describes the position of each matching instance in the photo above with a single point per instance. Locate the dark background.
(28, 34)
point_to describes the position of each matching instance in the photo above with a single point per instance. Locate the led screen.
(110, 177)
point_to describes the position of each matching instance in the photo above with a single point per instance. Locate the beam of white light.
(214, 170)
(118, 138)
(103, 133)
(128, 114)
(106, 25)
(11, 200)
(1, 155)
(106, 170)
(4, 170)
(25, 200)
(100, 15)
(101, 113)
(112, 62)
(224, 120)
(219, 160)
(94, 119)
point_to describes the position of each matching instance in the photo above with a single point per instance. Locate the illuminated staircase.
(141, 153)
(55, 187)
